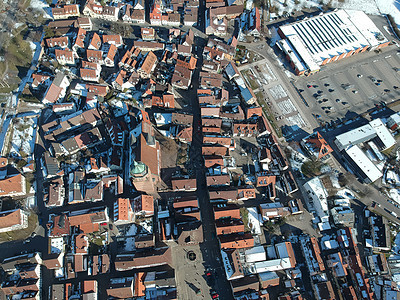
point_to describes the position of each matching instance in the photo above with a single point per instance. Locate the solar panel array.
(324, 33)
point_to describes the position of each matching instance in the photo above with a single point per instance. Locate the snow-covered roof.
(255, 254)
(362, 161)
(383, 133)
(324, 226)
(231, 71)
(244, 90)
(281, 249)
(342, 202)
(355, 136)
(330, 244)
(295, 57)
(163, 118)
(318, 193)
(395, 117)
(272, 265)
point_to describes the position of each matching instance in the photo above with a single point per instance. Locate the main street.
(210, 247)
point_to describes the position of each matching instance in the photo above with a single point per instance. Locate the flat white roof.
(318, 193)
(383, 133)
(294, 56)
(355, 136)
(327, 35)
(362, 161)
(272, 265)
(395, 117)
(255, 254)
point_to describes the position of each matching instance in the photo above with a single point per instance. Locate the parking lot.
(352, 86)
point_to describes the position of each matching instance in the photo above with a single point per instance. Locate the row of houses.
(170, 13)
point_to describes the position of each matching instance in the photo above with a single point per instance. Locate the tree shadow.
(22, 71)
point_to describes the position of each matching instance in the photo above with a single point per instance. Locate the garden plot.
(23, 137)
(251, 79)
(295, 120)
(277, 92)
(286, 107)
(266, 73)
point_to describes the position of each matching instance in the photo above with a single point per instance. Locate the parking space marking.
(394, 81)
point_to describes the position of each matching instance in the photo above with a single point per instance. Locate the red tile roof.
(144, 203)
(236, 241)
(94, 55)
(66, 11)
(12, 185)
(57, 41)
(89, 286)
(10, 218)
(149, 155)
(88, 74)
(123, 209)
(114, 39)
(97, 89)
(95, 42)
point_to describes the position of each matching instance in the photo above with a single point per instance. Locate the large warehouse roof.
(383, 133)
(355, 136)
(327, 35)
(362, 161)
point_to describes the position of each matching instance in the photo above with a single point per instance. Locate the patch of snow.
(147, 226)
(33, 46)
(289, 6)
(254, 220)
(59, 273)
(23, 140)
(335, 181)
(16, 25)
(30, 201)
(249, 4)
(42, 6)
(56, 245)
(394, 194)
(346, 193)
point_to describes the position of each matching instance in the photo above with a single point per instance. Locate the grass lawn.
(18, 52)
(252, 82)
(268, 114)
(245, 218)
(21, 234)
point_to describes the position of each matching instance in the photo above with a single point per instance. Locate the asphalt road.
(210, 247)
